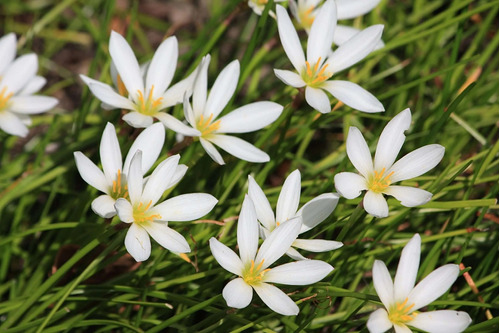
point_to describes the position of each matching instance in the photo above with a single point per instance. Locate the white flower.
(252, 265)
(202, 116)
(378, 176)
(402, 299)
(113, 181)
(311, 214)
(146, 98)
(259, 5)
(322, 64)
(148, 217)
(18, 83)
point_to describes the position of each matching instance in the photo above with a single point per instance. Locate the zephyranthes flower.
(259, 5)
(146, 98)
(311, 214)
(18, 83)
(203, 115)
(402, 299)
(252, 265)
(377, 177)
(315, 72)
(147, 217)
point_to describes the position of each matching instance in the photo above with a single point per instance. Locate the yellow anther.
(140, 213)
(379, 183)
(150, 106)
(312, 76)
(119, 188)
(4, 98)
(206, 127)
(122, 90)
(401, 313)
(254, 274)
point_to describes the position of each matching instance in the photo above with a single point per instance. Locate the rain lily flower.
(311, 214)
(18, 84)
(203, 115)
(378, 176)
(321, 64)
(146, 98)
(252, 266)
(402, 299)
(259, 5)
(147, 217)
(113, 181)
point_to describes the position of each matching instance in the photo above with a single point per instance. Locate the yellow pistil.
(254, 275)
(122, 90)
(140, 213)
(120, 187)
(306, 19)
(401, 313)
(312, 77)
(4, 98)
(150, 106)
(379, 183)
(206, 127)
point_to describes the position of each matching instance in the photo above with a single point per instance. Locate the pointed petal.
(442, 321)
(124, 210)
(222, 90)
(433, 286)
(288, 200)
(348, 9)
(150, 142)
(167, 237)
(276, 300)
(237, 293)
(19, 73)
(382, 282)
(7, 51)
(200, 88)
(90, 173)
(159, 180)
(107, 95)
(375, 204)
(294, 254)
(104, 206)
(402, 329)
(137, 120)
(189, 113)
(162, 67)
(226, 257)
(317, 245)
(250, 117)
(318, 99)
(186, 207)
(406, 274)
(298, 273)
(32, 104)
(248, 231)
(111, 156)
(289, 78)
(349, 185)
(12, 124)
(240, 148)
(138, 243)
(212, 151)
(317, 210)
(417, 162)
(378, 322)
(343, 34)
(290, 39)
(409, 196)
(359, 153)
(263, 208)
(391, 140)
(353, 95)
(135, 178)
(176, 125)
(33, 86)
(180, 171)
(320, 38)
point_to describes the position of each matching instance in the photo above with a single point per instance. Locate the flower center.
(140, 213)
(206, 127)
(306, 17)
(150, 106)
(315, 76)
(4, 98)
(120, 187)
(401, 313)
(378, 183)
(254, 275)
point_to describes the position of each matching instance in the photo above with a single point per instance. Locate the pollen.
(314, 76)
(206, 127)
(120, 187)
(4, 98)
(401, 313)
(140, 213)
(254, 275)
(379, 183)
(149, 106)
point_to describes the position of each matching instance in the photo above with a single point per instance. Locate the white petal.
(290, 39)
(226, 257)
(391, 140)
(111, 156)
(250, 117)
(188, 112)
(150, 142)
(126, 64)
(248, 231)
(343, 34)
(409, 196)
(318, 99)
(288, 200)
(317, 245)
(278, 242)
(12, 124)
(317, 210)
(200, 88)
(298, 273)
(137, 120)
(402, 329)
(124, 210)
(276, 300)
(417, 162)
(355, 49)
(349, 185)
(135, 178)
(32, 104)
(222, 90)
(378, 322)
(33, 86)
(90, 173)
(240, 148)
(176, 125)
(7, 51)
(104, 206)
(375, 204)
(290, 78)
(433, 286)
(212, 151)
(237, 293)
(442, 321)
(138, 243)
(359, 153)
(383, 283)
(162, 67)
(353, 95)
(294, 254)
(167, 237)
(107, 95)
(348, 9)
(159, 180)
(180, 171)
(263, 208)
(186, 207)
(406, 274)
(321, 34)
(19, 73)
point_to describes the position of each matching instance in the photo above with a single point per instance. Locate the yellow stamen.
(119, 188)
(122, 90)
(206, 127)
(379, 183)
(306, 19)
(140, 213)
(254, 274)
(401, 313)
(313, 77)
(150, 106)
(4, 98)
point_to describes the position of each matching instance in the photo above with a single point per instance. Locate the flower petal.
(107, 95)
(391, 140)
(382, 282)
(441, 321)
(12, 124)
(353, 95)
(104, 206)
(375, 204)
(237, 293)
(318, 99)
(186, 207)
(401, 329)
(159, 180)
(32, 104)
(348, 9)
(290, 39)
(222, 90)
(137, 120)
(288, 200)
(200, 88)
(33, 86)
(248, 231)
(294, 254)
(124, 210)
(276, 300)
(378, 322)
(226, 257)
(343, 34)
(167, 237)
(359, 153)
(320, 38)
(349, 185)
(138, 243)
(111, 156)
(406, 274)
(176, 125)
(212, 151)
(180, 171)
(90, 173)
(298, 273)
(409, 196)
(317, 245)
(7, 51)
(417, 162)
(250, 117)
(150, 142)
(162, 67)
(135, 178)
(19, 73)
(263, 208)
(240, 148)
(289, 78)
(317, 210)
(433, 286)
